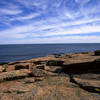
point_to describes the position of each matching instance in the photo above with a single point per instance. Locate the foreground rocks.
(55, 77)
(12, 75)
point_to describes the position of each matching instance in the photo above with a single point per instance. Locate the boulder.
(2, 69)
(97, 53)
(22, 66)
(17, 67)
(54, 63)
(37, 73)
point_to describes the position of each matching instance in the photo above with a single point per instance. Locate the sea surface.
(11, 53)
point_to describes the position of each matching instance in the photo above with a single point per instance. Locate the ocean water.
(11, 53)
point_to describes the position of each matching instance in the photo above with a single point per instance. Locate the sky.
(49, 21)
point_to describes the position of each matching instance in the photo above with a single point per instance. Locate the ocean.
(17, 52)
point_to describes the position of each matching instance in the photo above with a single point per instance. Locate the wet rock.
(97, 53)
(54, 63)
(37, 73)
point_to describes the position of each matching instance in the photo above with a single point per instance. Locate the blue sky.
(49, 21)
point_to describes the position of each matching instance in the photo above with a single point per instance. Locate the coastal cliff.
(74, 76)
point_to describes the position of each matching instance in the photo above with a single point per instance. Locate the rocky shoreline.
(74, 76)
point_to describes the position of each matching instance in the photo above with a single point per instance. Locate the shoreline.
(54, 54)
(40, 78)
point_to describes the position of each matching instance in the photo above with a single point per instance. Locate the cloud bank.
(49, 21)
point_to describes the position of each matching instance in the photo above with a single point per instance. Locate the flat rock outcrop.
(14, 75)
(74, 76)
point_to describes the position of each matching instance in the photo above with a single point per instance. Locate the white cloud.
(27, 3)
(54, 19)
(67, 39)
(31, 3)
(59, 28)
(27, 17)
(16, 32)
(10, 9)
(76, 30)
(82, 1)
(4, 11)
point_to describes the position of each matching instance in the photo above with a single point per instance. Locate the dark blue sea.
(11, 53)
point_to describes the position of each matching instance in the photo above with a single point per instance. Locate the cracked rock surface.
(66, 77)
